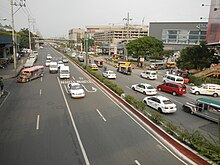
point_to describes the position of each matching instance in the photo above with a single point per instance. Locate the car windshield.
(150, 87)
(179, 79)
(64, 71)
(76, 87)
(167, 102)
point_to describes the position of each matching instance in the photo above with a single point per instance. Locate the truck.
(205, 108)
(64, 72)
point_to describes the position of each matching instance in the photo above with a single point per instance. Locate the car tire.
(197, 93)
(160, 110)
(144, 92)
(133, 88)
(174, 93)
(215, 95)
(145, 101)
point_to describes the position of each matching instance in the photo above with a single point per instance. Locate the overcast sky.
(55, 17)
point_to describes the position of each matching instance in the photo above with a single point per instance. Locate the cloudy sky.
(53, 18)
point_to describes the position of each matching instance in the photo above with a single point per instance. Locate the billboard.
(213, 31)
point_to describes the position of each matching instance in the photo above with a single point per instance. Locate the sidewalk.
(10, 72)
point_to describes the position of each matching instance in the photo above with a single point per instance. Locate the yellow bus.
(170, 65)
(122, 63)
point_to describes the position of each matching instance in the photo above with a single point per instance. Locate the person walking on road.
(1, 86)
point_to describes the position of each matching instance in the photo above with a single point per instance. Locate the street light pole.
(21, 4)
(29, 33)
(13, 35)
(128, 19)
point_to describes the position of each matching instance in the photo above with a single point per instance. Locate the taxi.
(93, 67)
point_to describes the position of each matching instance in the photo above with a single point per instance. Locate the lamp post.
(21, 4)
(13, 35)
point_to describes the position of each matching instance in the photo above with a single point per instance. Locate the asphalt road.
(179, 118)
(41, 124)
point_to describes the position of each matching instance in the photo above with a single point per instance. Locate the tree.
(24, 39)
(167, 54)
(145, 46)
(196, 57)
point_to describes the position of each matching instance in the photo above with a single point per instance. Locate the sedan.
(109, 74)
(49, 57)
(93, 67)
(47, 63)
(60, 63)
(65, 59)
(161, 104)
(144, 88)
(75, 90)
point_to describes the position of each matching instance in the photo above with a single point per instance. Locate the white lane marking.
(101, 115)
(5, 99)
(74, 126)
(128, 87)
(38, 122)
(137, 163)
(135, 118)
(41, 79)
(73, 78)
(93, 89)
(66, 89)
(40, 92)
(81, 78)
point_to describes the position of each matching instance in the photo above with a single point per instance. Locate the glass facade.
(182, 36)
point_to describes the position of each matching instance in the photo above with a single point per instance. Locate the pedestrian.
(105, 68)
(1, 86)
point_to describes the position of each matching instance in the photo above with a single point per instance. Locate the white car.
(109, 74)
(49, 57)
(161, 104)
(144, 88)
(60, 63)
(65, 60)
(47, 63)
(206, 89)
(149, 74)
(75, 90)
(73, 55)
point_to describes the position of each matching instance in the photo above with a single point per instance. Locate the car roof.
(145, 84)
(74, 83)
(161, 97)
(175, 83)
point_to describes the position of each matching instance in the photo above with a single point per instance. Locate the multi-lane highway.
(41, 124)
(179, 118)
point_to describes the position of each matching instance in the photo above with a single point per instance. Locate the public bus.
(170, 65)
(29, 74)
(99, 62)
(203, 107)
(122, 63)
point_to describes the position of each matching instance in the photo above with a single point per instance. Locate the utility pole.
(21, 4)
(30, 20)
(128, 19)
(29, 34)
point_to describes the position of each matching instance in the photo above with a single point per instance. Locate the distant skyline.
(55, 18)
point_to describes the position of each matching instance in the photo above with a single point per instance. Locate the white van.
(173, 78)
(64, 72)
(53, 67)
(149, 74)
(206, 89)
